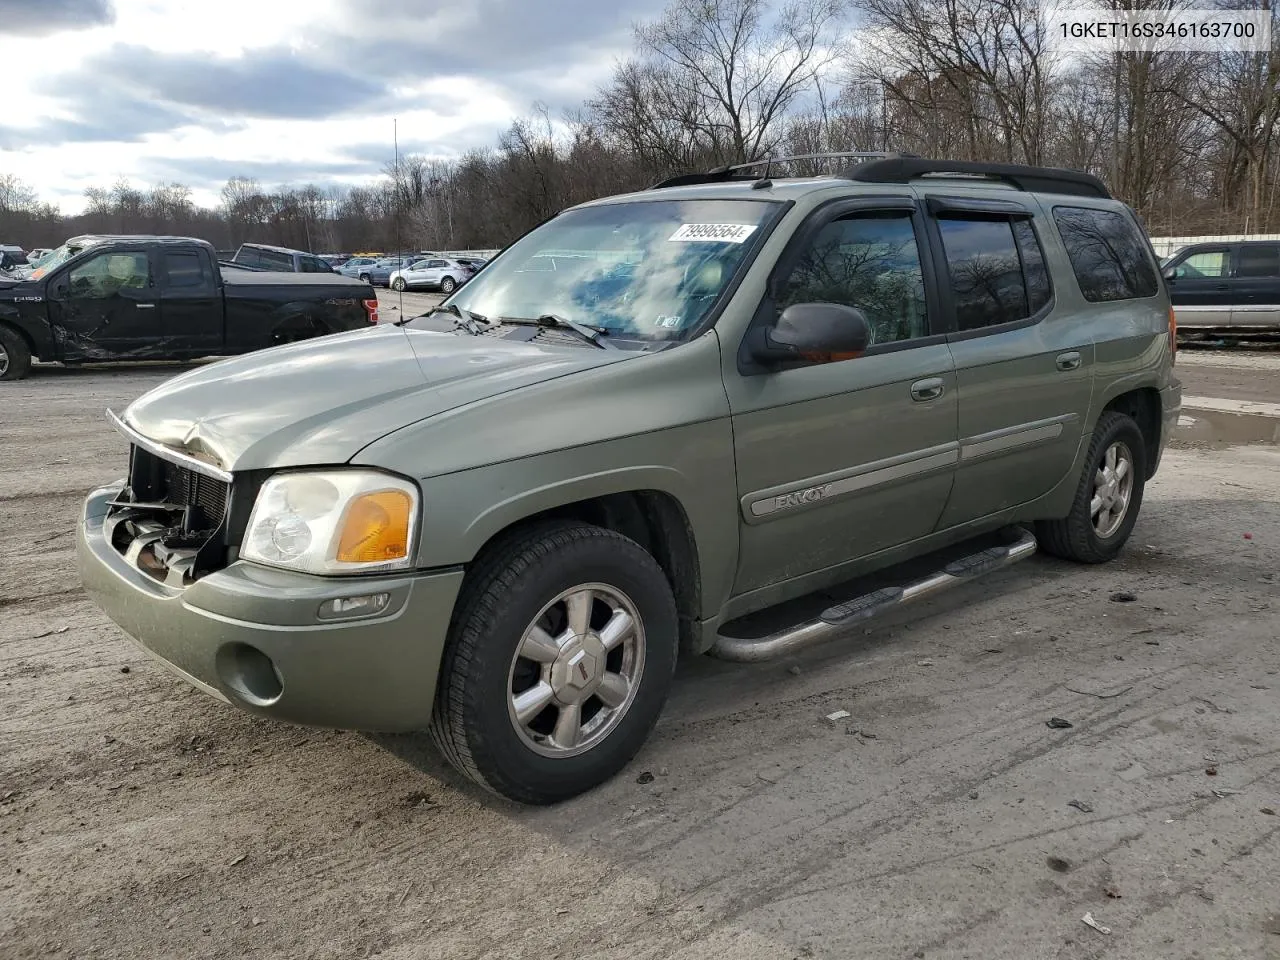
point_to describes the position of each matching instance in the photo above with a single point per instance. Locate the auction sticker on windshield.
(714, 232)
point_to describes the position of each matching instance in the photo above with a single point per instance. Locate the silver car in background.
(437, 273)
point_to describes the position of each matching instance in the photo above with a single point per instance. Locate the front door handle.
(925, 390)
(145, 306)
(1069, 361)
(1220, 286)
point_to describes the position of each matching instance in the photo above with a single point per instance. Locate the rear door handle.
(1069, 361)
(1220, 286)
(145, 306)
(925, 390)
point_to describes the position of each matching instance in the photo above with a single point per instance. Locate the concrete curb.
(1214, 420)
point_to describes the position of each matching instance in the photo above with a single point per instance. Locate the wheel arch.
(650, 513)
(23, 335)
(1143, 406)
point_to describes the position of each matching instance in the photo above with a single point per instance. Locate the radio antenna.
(395, 139)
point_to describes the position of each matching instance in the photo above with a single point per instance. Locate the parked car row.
(425, 270)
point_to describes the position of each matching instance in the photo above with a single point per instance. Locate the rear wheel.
(448, 285)
(364, 278)
(398, 284)
(15, 357)
(1108, 498)
(559, 660)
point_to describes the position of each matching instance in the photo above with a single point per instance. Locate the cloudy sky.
(282, 90)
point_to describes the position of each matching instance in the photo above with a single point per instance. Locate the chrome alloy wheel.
(4, 360)
(1112, 490)
(576, 671)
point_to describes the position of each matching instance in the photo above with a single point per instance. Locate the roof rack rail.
(905, 168)
(734, 171)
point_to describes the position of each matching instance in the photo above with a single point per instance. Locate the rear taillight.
(371, 310)
(1173, 336)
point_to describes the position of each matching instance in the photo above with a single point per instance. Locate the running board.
(836, 620)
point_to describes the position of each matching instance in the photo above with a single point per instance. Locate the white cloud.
(443, 107)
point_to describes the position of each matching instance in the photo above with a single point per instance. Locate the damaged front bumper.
(274, 642)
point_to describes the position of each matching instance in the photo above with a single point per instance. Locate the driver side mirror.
(1169, 273)
(813, 332)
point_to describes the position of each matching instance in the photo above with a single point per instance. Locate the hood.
(321, 401)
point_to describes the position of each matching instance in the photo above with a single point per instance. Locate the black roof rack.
(736, 171)
(904, 169)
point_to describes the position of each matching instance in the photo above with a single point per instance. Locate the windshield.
(646, 270)
(56, 258)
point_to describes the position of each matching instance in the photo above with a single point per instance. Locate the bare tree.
(973, 77)
(745, 64)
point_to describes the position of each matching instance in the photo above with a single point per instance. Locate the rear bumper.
(252, 636)
(1170, 410)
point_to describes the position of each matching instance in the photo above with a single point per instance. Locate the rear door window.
(1108, 255)
(184, 270)
(989, 281)
(1258, 260)
(273, 260)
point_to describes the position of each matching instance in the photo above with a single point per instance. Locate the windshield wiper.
(467, 320)
(588, 333)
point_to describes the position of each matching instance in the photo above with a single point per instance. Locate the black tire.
(364, 278)
(1075, 537)
(510, 584)
(399, 284)
(448, 285)
(15, 357)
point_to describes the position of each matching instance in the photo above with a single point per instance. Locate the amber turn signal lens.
(375, 528)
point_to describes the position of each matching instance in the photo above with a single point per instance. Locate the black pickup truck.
(99, 299)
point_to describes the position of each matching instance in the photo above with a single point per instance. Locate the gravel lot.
(140, 819)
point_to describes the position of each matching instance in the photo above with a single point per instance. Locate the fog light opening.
(361, 606)
(250, 674)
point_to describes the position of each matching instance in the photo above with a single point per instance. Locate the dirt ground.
(140, 819)
(1252, 375)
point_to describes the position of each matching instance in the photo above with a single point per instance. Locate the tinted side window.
(276, 261)
(1258, 260)
(870, 262)
(310, 265)
(183, 270)
(249, 257)
(1108, 255)
(1034, 271)
(986, 272)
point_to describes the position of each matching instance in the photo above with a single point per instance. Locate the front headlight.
(333, 521)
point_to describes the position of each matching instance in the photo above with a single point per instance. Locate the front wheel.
(15, 358)
(1108, 497)
(558, 663)
(448, 285)
(398, 284)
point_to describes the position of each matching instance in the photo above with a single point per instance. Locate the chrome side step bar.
(836, 620)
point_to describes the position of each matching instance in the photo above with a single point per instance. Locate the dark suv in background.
(279, 259)
(1232, 286)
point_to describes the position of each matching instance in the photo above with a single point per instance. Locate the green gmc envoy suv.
(685, 419)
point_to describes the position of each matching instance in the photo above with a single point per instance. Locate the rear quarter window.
(1107, 252)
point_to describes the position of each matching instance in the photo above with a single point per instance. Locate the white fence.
(1164, 246)
(470, 254)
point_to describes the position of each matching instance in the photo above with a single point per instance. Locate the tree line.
(1188, 139)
